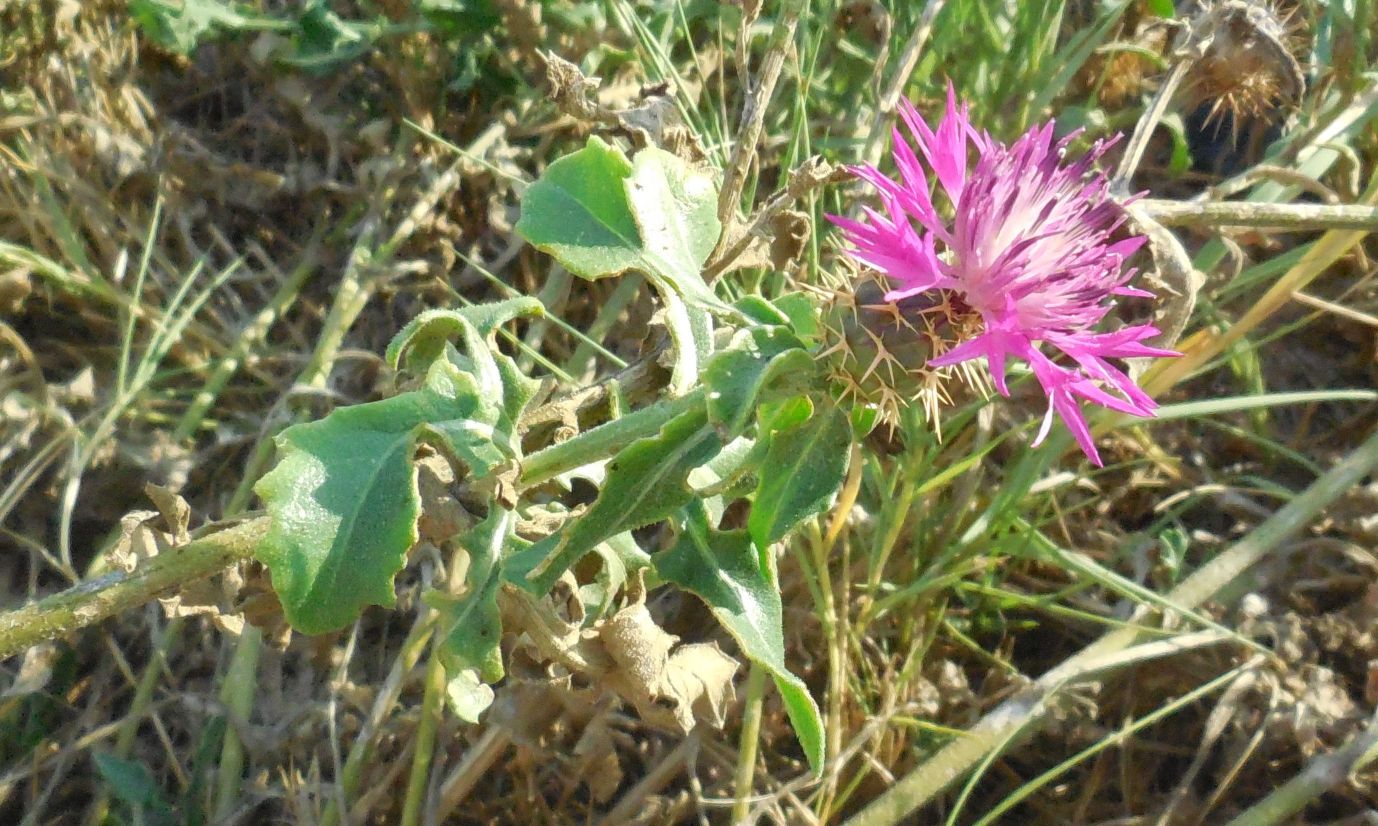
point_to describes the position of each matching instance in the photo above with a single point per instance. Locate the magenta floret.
(1031, 247)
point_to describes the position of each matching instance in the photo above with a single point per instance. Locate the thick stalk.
(90, 602)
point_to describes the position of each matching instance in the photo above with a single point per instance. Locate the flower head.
(1029, 249)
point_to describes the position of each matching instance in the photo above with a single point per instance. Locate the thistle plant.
(1021, 260)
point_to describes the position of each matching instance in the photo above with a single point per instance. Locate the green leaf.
(756, 358)
(803, 468)
(1162, 8)
(343, 497)
(725, 571)
(759, 310)
(428, 336)
(424, 338)
(469, 696)
(864, 420)
(802, 311)
(676, 208)
(132, 784)
(786, 413)
(647, 482)
(578, 211)
(323, 39)
(471, 624)
(722, 472)
(600, 215)
(180, 25)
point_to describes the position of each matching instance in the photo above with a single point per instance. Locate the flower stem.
(237, 694)
(749, 741)
(425, 742)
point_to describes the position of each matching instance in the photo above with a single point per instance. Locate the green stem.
(605, 440)
(91, 602)
(425, 742)
(749, 741)
(88, 603)
(238, 696)
(1223, 578)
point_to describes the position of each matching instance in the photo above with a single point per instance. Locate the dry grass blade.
(1206, 344)
(1228, 572)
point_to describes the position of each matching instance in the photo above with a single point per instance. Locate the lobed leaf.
(579, 212)
(757, 358)
(725, 571)
(599, 214)
(343, 497)
(423, 340)
(471, 624)
(676, 208)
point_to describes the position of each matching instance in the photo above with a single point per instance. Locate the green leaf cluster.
(755, 436)
(743, 421)
(343, 497)
(315, 37)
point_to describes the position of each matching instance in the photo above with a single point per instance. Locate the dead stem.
(753, 114)
(890, 96)
(1324, 772)
(1293, 217)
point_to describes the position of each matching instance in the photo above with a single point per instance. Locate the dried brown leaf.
(35, 670)
(692, 685)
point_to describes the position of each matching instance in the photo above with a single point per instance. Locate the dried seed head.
(878, 351)
(1244, 64)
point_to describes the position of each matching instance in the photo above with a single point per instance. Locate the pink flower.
(1028, 249)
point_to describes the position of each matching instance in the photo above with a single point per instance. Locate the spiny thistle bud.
(878, 352)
